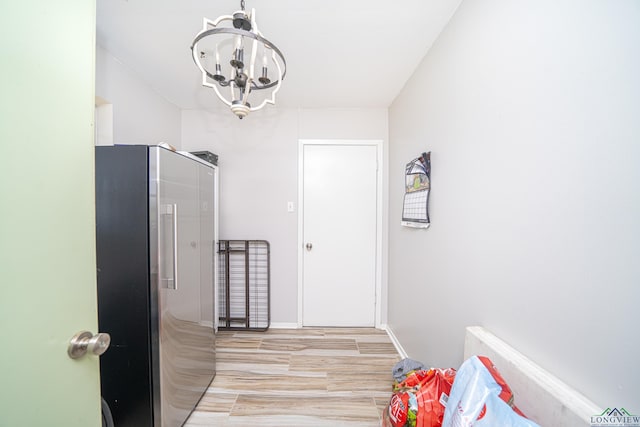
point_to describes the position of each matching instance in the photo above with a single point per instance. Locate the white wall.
(258, 159)
(531, 110)
(140, 115)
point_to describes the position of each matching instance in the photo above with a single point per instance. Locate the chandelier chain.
(242, 4)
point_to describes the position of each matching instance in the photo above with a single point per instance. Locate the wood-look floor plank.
(326, 407)
(310, 345)
(375, 347)
(292, 421)
(360, 384)
(227, 342)
(382, 364)
(250, 383)
(253, 362)
(217, 402)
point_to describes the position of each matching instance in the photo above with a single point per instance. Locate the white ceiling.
(340, 53)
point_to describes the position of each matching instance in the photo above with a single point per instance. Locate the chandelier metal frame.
(242, 80)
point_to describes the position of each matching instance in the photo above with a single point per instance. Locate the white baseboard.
(283, 325)
(395, 341)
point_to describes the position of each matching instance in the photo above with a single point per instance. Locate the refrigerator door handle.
(171, 282)
(175, 246)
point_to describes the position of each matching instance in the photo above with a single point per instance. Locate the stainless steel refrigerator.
(155, 269)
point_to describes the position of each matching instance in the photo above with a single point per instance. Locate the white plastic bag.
(480, 391)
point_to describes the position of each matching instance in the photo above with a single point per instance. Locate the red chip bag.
(420, 400)
(396, 414)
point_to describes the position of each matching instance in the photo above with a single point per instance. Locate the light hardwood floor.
(299, 377)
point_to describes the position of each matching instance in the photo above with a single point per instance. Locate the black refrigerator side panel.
(122, 247)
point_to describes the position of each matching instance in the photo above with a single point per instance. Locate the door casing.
(379, 225)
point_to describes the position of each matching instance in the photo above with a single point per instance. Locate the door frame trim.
(378, 143)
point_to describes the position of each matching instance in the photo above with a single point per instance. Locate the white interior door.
(339, 202)
(47, 226)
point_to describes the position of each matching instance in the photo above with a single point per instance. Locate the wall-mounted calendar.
(415, 209)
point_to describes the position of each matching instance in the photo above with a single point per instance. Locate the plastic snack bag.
(420, 399)
(481, 398)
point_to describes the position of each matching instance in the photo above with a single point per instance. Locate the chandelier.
(243, 49)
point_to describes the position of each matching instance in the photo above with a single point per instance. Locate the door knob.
(309, 246)
(85, 342)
